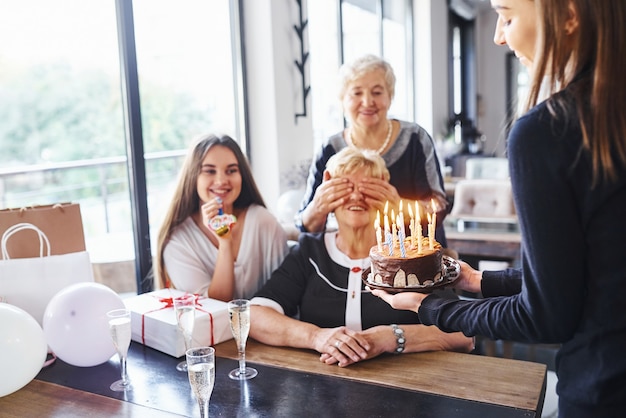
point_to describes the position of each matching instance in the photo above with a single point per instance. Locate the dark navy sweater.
(573, 270)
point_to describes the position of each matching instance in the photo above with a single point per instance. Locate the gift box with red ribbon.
(153, 321)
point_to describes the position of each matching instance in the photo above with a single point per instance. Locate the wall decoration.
(304, 56)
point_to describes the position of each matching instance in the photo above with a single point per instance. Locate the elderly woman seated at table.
(316, 298)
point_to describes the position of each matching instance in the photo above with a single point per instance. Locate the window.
(462, 65)
(517, 81)
(380, 27)
(186, 83)
(62, 127)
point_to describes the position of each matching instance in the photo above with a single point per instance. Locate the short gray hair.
(363, 65)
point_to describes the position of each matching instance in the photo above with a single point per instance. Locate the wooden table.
(291, 382)
(50, 400)
(516, 384)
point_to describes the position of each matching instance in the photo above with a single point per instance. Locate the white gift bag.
(30, 283)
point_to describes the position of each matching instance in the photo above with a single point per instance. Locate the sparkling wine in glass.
(119, 326)
(185, 309)
(239, 312)
(201, 371)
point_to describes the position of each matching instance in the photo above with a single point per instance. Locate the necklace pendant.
(382, 148)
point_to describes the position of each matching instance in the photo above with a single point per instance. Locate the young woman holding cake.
(217, 238)
(367, 87)
(319, 283)
(567, 158)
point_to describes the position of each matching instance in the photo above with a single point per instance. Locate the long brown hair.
(186, 201)
(593, 58)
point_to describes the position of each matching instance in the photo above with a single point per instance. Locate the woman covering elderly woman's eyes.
(366, 91)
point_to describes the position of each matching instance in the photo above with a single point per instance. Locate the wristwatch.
(400, 339)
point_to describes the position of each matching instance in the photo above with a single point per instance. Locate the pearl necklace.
(387, 139)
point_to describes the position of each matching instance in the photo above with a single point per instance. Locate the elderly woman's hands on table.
(341, 345)
(376, 339)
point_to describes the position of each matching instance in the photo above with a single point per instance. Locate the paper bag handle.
(21, 227)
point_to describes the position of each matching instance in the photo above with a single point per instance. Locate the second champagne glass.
(185, 309)
(239, 312)
(201, 371)
(119, 326)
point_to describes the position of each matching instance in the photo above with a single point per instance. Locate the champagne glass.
(201, 371)
(239, 312)
(119, 326)
(185, 309)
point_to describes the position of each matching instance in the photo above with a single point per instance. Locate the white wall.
(276, 141)
(491, 71)
(431, 61)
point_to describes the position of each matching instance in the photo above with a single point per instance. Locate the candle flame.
(386, 206)
(410, 211)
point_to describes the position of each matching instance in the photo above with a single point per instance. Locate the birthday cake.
(411, 268)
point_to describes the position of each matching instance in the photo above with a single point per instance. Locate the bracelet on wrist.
(400, 339)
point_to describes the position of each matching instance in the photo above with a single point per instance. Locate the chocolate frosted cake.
(415, 269)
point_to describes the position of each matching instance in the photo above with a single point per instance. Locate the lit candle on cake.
(431, 232)
(412, 226)
(387, 231)
(379, 235)
(432, 204)
(385, 213)
(401, 235)
(418, 221)
(393, 232)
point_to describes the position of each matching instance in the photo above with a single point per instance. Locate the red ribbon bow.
(169, 303)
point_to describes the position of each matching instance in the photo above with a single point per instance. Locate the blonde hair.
(363, 65)
(591, 63)
(350, 160)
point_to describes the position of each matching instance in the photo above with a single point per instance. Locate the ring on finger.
(337, 343)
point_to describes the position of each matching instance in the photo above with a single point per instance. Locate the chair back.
(487, 168)
(484, 200)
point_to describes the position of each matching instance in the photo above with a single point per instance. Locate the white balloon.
(288, 205)
(76, 326)
(23, 348)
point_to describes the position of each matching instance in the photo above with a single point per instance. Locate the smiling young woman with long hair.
(216, 179)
